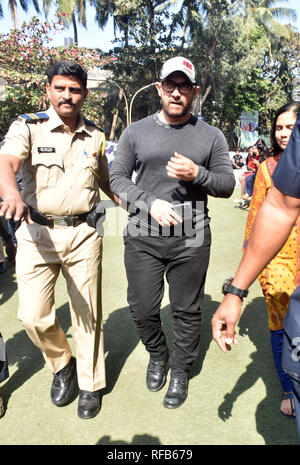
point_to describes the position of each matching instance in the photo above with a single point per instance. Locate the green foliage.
(233, 45)
(25, 55)
(245, 59)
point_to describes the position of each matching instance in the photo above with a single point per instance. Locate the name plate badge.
(46, 149)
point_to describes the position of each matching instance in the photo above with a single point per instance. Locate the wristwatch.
(227, 288)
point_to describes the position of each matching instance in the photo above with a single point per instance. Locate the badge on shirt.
(94, 154)
(46, 149)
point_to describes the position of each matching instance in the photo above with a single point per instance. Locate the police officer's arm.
(12, 205)
(103, 179)
(271, 229)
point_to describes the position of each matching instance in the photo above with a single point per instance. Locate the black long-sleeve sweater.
(146, 147)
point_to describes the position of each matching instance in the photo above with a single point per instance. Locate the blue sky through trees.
(93, 36)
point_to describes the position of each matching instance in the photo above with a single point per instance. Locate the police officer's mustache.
(66, 102)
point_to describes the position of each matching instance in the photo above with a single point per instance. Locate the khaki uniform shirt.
(58, 166)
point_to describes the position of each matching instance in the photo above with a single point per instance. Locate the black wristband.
(228, 288)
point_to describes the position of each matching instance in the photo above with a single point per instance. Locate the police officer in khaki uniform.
(63, 161)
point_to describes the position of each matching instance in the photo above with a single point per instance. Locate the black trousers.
(147, 260)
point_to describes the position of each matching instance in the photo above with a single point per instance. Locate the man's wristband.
(228, 288)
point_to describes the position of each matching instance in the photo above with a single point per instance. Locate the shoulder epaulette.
(32, 117)
(89, 121)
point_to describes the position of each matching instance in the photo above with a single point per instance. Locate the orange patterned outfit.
(278, 279)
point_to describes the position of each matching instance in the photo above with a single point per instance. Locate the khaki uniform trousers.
(76, 251)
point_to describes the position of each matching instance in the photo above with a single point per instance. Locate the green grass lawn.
(234, 398)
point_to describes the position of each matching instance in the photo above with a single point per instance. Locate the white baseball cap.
(178, 64)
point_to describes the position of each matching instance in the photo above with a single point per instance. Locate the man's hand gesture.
(181, 167)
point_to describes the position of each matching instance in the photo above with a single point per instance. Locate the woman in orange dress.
(278, 280)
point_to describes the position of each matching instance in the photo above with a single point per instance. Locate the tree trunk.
(199, 100)
(115, 118)
(13, 14)
(75, 29)
(114, 125)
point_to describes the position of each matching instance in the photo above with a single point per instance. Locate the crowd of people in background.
(246, 169)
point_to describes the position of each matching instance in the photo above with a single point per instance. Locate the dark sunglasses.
(183, 87)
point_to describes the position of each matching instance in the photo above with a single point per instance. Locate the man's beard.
(174, 114)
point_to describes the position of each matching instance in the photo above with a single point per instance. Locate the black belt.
(52, 221)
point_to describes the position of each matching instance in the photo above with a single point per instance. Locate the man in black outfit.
(179, 160)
